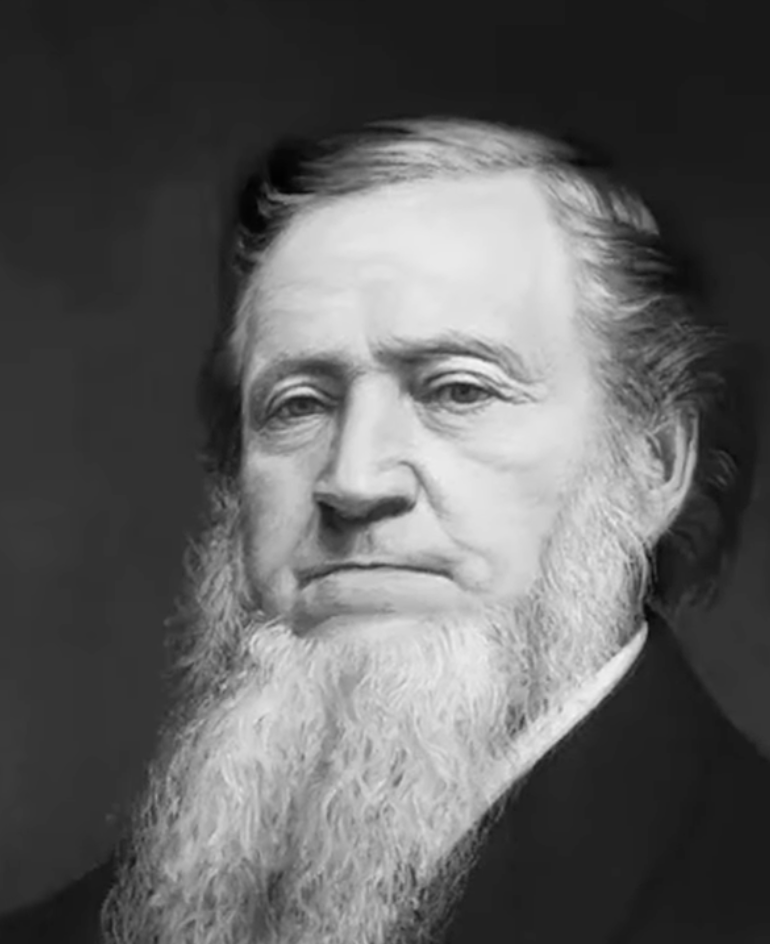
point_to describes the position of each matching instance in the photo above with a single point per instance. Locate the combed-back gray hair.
(656, 353)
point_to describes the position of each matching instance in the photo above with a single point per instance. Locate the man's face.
(417, 401)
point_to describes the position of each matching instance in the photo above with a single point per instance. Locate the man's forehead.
(416, 259)
(379, 282)
(453, 227)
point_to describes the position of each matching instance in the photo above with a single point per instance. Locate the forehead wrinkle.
(375, 293)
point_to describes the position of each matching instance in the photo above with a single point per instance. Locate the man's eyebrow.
(329, 364)
(458, 344)
(398, 354)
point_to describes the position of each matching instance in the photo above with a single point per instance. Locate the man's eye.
(456, 394)
(298, 407)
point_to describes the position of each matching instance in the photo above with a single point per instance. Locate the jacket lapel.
(577, 840)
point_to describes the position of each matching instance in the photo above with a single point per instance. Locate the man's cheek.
(274, 531)
(271, 536)
(507, 537)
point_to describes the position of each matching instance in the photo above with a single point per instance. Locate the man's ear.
(672, 452)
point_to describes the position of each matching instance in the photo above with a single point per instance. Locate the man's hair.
(657, 353)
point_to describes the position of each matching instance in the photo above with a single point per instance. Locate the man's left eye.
(459, 393)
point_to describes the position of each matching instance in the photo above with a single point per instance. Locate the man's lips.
(335, 592)
(316, 572)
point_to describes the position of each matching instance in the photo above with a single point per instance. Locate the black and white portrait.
(438, 645)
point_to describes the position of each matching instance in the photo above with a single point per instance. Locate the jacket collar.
(577, 839)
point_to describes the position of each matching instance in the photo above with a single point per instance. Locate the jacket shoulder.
(71, 916)
(712, 886)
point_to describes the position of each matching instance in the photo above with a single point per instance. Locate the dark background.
(121, 122)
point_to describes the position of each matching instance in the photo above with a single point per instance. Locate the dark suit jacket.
(648, 824)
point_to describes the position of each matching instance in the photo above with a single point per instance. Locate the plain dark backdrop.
(121, 123)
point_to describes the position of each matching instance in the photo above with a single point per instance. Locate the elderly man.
(472, 447)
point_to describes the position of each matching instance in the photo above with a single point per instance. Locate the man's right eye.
(296, 407)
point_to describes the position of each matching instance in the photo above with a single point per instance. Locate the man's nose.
(369, 474)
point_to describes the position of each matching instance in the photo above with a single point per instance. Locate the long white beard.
(329, 790)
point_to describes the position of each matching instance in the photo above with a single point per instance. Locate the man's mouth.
(308, 574)
(357, 590)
